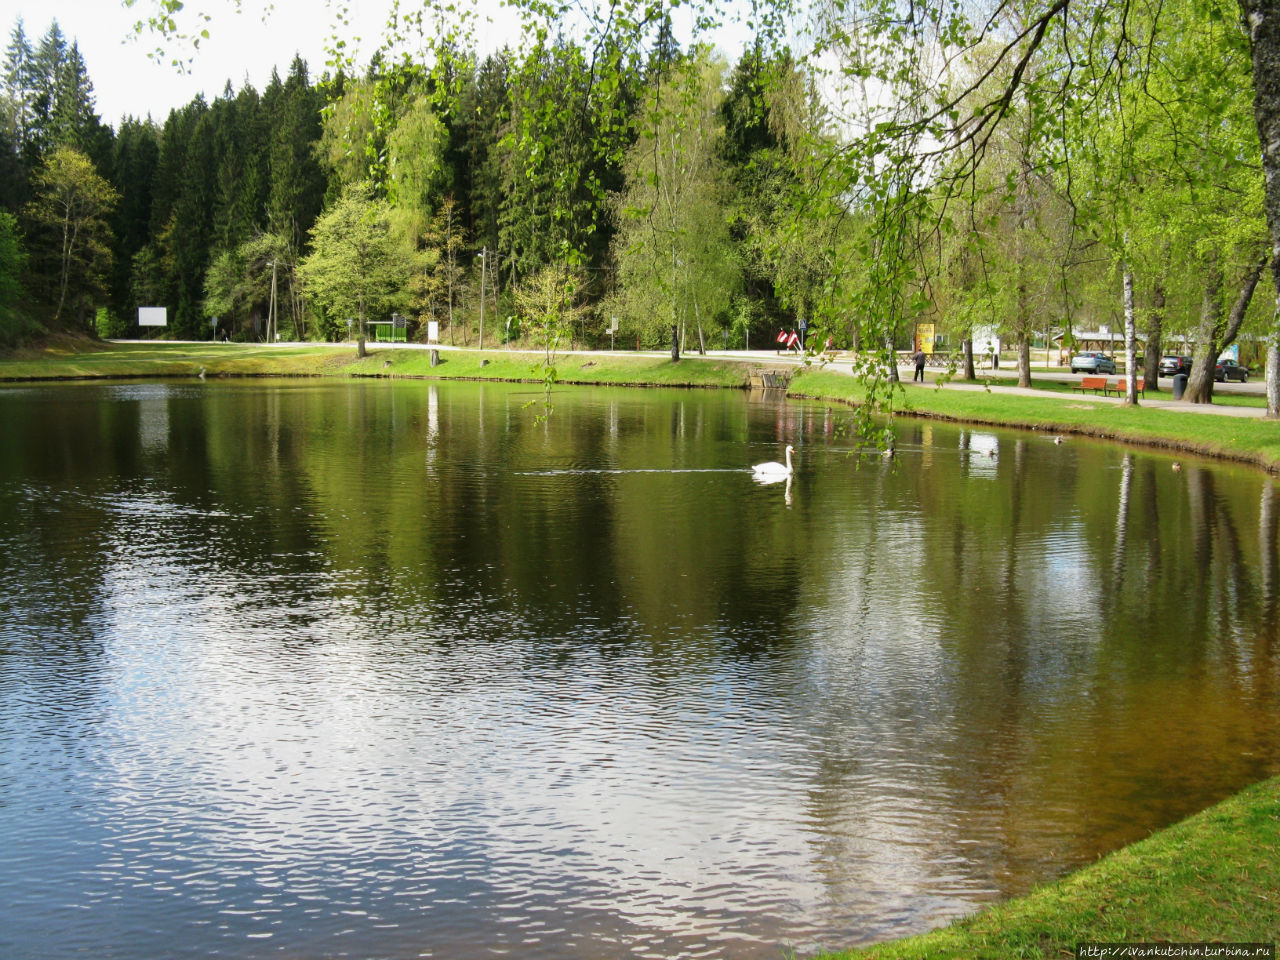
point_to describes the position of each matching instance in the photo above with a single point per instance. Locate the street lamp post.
(273, 322)
(483, 262)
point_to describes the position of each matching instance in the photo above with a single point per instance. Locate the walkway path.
(1155, 401)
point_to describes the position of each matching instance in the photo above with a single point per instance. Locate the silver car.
(1092, 363)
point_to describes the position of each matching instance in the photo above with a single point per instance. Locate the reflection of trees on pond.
(1023, 642)
(1051, 633)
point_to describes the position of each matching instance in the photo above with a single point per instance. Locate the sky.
(241, 46)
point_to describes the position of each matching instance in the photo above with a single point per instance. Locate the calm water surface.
(317, 669)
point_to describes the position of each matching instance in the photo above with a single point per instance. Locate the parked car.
(1092, 363)
(1171, 365)
(1230, 370)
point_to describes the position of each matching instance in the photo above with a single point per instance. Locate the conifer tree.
(134, 160)
(296, 182)
(16, 107)
(72, 119)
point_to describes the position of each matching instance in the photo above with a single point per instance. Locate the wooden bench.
(1118, 388)
(1096, 384)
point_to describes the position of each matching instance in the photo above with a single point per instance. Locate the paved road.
(1160, 401)
(1257, 386)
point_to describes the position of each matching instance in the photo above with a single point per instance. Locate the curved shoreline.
(1216, 432)
(1211, 877)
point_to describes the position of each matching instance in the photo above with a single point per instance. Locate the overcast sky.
(241, 46)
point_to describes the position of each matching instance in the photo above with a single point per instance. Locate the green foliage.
(355, 268)
(175, 26)
(109, 325)
(475, 155)
(223, 285)
(676, 265)
(550, 305)
(13, 262)
(964, 164)
(71, 235)
(416, 173)
(296, 182)
(436, 282)
(135, 156)
(238, 287)
(564, 147)
(352, 145)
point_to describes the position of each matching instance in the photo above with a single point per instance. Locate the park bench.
(1096, 384)
(1118, 388)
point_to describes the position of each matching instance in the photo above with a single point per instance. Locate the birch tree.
(675, 259)
(69, 223)
(356, 269)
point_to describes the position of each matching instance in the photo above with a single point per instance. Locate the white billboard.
(153, 316)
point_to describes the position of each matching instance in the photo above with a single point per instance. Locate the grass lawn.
(691, 371)
(1247, 439)
(76, 358)
(1213, 877)
(84, 359)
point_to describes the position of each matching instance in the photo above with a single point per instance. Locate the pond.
(398, 669)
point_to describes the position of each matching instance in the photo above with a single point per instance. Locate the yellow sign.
(924, 333)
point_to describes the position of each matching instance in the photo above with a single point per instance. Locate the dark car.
(1092, 363)
(1171, 365)
(1230, 370)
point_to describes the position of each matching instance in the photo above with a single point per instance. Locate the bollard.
(435, 358)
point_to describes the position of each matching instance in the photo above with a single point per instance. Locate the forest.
(1036, 171)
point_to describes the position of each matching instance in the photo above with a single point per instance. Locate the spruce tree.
(134, 160)
(72, 119)
(46, 66)
(296, 182)
(19, 88)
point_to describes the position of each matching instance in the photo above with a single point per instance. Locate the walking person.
(919, 359)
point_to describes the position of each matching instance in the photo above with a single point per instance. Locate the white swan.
(774, 470)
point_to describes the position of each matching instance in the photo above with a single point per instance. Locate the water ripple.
(382, 673)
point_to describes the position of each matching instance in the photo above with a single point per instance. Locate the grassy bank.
(1212, 877)
(78, 359)
(1246, 439)
(598, 368)
(82, 359)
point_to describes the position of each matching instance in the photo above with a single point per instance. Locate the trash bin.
(1179, 385)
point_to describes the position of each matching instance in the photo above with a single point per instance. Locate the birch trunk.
(1130, 337)
(1262, 19)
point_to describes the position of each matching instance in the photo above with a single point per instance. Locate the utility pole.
(273, 322)
(483, 263)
